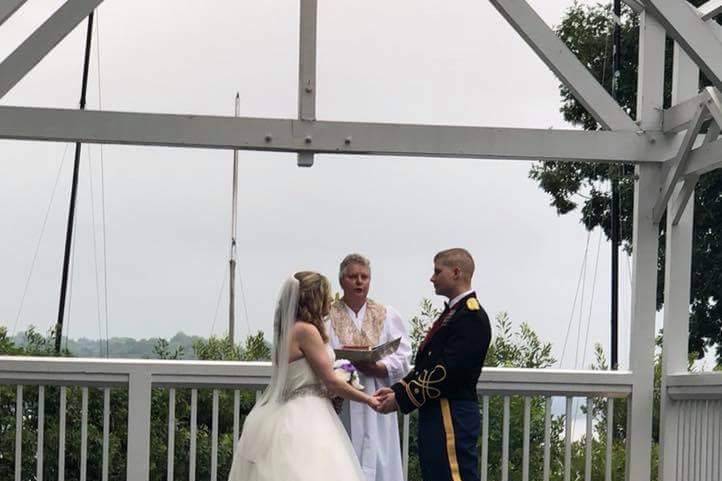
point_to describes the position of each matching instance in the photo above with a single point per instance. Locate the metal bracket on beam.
(679, 163)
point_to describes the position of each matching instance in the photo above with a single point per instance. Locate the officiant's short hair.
(457, 257)
(353, 259)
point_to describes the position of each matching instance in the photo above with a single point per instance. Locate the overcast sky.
(167, 211)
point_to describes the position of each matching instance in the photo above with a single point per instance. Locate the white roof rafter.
(557, 56)
(8, 7)
(42, 41)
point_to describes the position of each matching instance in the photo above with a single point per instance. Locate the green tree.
(586, 29)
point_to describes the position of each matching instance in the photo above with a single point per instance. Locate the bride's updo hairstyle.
(314, 299)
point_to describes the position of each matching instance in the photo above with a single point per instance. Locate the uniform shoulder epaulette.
(472, 304)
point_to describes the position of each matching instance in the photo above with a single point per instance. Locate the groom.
(442, 385)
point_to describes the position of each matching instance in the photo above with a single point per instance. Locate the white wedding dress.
(300, 438)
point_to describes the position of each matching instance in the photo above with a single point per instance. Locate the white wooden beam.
(677, 118)
(564, 64)
(8, 7)
(355, 138)
(685, 26)
(679, 164)
(307, 71)
(710, 9)
(714, 105)
(42, 41)
(704, 159)
(644, 269)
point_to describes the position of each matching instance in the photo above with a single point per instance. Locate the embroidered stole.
(371, 327)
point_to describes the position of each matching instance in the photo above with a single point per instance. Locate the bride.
(293, 432)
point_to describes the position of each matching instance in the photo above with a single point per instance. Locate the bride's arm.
(314, 349)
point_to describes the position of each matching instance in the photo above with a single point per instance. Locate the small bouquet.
(344, 370)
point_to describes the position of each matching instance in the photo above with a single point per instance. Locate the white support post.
(684, 25)
(42, 41)
(557, 56)
(644, 275)
(677, 279)
(139, 395)
(8, 7)
(307, 74)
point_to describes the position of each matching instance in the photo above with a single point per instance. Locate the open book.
(367, 353)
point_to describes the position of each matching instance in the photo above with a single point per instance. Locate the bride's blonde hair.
(314, 301)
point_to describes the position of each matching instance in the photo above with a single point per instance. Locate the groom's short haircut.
(457, 257)
(353, 259)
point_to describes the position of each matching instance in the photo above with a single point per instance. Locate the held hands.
(386, 401)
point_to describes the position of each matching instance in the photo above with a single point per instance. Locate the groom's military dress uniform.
(442, 387)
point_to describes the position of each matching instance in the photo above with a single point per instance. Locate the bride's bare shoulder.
(305, 331)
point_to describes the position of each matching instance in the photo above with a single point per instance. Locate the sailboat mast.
(73, 198)
(232, 260)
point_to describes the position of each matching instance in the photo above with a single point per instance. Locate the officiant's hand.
(373, 369)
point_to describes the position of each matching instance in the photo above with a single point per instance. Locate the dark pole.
(616, 54)
(73, 197)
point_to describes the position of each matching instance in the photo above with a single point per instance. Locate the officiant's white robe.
(375, 437)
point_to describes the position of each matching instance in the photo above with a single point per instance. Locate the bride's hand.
(373, 402)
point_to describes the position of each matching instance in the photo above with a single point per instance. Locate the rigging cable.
(102, 196)
(576, 295)
(37, 246)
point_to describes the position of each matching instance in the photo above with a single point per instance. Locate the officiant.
(359, 321)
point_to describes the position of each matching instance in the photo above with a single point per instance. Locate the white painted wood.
(194, 433)
(610, 441)
(236, 417)
(41, 434)
(678, 262)
(244, 133)
(106, 433)
(525, 446)
(170, 469)
(676, 118)
(61, 433)
(555, 54)
(139, 395)
(42, 41)
(18, 432)
(547, 437)
(307, 73)
(644, 269)
(214, 437)
(710, 9)
(704, 159)
(568, 439)
(8, 7)
(505, 441)
(84, 434)
(679, 164)
(485, 439)
(685, 26)
(589, 441)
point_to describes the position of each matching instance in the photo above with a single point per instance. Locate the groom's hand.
(387, 400)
